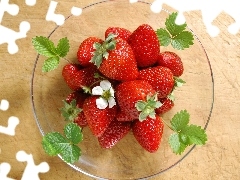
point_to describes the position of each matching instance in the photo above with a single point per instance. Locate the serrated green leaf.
(140, 105)
(50, 64)
(73, 133)
(163, 37)
(70, 153)
(143, 116)
(44, 46)
(63, 47)
(177, 146)
(172, 27)
(180, 120)
(182, 40)
(195, 134)
(70, 111)
(53, 142)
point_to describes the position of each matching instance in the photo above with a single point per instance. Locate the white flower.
(106, 92)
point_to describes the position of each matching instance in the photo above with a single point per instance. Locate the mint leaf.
(73, 133)
(44, 46)
(52, 143)
(174, 34)
(50, 64)
(55, 143)
(172, 27)
(164, 37)
(71, 153)
(184, 134)
(182, 40)
(180, 120)
(63, 47)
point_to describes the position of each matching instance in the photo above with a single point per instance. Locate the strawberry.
(114, 133)
(115, 59)
(86, 49)
(120, 32)
(128, 94)
(172, 61)
(145, 45)
(78, 117)
(148, 133)
(98, 119)
(161, 79)
(167, 104)
(78, 77)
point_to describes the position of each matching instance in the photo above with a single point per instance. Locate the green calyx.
(70, 110)
(147, 108)
(101, 50)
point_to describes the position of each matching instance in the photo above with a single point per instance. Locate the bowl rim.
(104, 178)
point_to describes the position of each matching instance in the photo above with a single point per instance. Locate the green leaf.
(140, 105)
(50, 64)
(71, 153)
(53, 142)
(163, 37)
(178, 82)
(73, 133)
(63, 47)
(180, 120)
(172, 27)
(177, 146)
(44, 46)
(195, 134)
(182, 40)
(70, 111)
(143, 116)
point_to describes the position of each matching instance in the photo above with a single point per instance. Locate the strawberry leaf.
(50, 64)
(184, 134)
(44, 46)
(70, 110)
(174, 34)
(63, 47)
(55, 143)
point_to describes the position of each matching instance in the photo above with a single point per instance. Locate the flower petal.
(101, 103)
(111, 92)
(97, 90)
(111, 102)
(105, 85)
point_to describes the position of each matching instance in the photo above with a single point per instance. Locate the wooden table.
(218, 159)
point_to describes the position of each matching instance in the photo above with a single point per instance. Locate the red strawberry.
(77, 77)
(114, 133)
(120, 64)
(78, 118)
(98, 119)
(86, 49)
(172, 61)
(120, 32)
(145, 45)
(128, 94)
(149, 133)
(167, 104)
(161, 79)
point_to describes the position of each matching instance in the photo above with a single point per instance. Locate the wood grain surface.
(219, 159)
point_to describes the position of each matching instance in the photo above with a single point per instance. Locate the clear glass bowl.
(126, 160)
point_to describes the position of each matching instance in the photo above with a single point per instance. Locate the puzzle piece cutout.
(4, 105)
(8, 35)
(59, 18)
(209, 14)
(30, 2)
(4, 170)
(31, 171)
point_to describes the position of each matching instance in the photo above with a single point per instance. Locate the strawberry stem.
(167, 124)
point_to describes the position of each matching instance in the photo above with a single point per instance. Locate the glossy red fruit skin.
(149, 133)
(145, 45)
(128, 93)
(76, 76)
(160, 78)
(98, 119)
(120, 32)
(121, 64)
(172, 61)
(86, 49)
(114, 133)
(167, 105)
(80, 98)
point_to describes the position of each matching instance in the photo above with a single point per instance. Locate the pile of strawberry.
(122, 83)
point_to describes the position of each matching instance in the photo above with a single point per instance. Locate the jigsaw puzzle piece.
(4, 170)
(52, 16)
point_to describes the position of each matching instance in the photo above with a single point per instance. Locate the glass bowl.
(126, 160)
